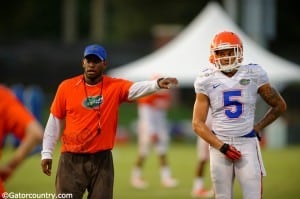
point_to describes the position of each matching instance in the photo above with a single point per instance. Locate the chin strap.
(230, 69)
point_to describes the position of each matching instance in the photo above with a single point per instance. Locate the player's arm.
(143, 88)
(51, 135)
(33, 136)
(200, 112)
(277, 106)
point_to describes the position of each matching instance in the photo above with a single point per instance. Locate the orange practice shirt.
(14, 118)
(159, 100)
(80, 134)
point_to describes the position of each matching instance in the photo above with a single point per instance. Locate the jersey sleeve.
(200, 84)
(123, 86)
(262, 76)
(59, 103)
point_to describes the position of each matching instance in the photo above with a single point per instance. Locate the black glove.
(230, 151)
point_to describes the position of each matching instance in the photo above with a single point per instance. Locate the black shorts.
(77, 173)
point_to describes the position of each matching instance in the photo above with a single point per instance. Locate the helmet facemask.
(227, 63)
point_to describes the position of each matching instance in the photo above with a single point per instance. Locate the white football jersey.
(232, 99)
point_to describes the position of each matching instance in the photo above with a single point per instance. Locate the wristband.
(158, 80)
(224, 148)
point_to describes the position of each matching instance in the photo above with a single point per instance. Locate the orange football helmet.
(223, 41)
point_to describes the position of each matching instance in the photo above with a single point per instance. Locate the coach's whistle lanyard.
(90, 103)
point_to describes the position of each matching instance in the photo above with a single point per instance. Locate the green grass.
(282, 180)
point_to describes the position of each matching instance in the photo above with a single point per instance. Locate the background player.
(231, 90)
(16, 119)
(153, 129)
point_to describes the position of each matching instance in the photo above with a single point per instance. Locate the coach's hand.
(231, 152)
(167, 82)
(47, 166)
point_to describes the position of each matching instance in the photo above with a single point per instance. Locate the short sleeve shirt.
(90, 112)
(232, 99)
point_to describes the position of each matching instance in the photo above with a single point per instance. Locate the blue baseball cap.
(97, 50)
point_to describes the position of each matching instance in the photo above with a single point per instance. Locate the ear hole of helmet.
(212, 59)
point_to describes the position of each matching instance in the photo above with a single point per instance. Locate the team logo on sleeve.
(93, 102)
(244, 82)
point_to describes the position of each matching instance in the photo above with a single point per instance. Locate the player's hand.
(167, 82)
(231, 152)
(47, 166)
(5, 172)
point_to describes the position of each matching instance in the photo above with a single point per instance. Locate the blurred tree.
(32, 19)
(133, 19)
(287, 40)
(124, 20)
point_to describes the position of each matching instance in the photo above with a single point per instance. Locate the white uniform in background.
(153, 123)
(153, 131)
(202, 145)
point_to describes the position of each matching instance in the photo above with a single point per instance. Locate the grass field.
(282, 180)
